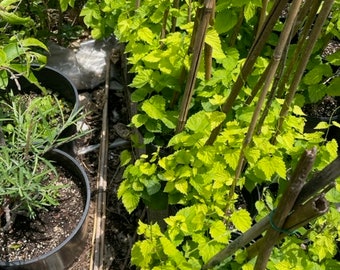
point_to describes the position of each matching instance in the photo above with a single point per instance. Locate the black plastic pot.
(52, 80)
(64, 254)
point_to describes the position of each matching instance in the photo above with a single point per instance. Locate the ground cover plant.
(220, 103)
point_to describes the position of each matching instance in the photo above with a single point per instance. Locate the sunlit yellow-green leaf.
(241, 220)
(219, 232)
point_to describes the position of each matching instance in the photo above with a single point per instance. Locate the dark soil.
(323, 109)
(29, 238)
(120, 227)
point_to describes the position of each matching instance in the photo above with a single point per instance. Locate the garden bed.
(120, 227)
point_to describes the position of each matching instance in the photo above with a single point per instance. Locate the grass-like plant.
(30, 127)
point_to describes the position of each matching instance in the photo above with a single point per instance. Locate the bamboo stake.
(257, 229)
(208, 50)
(198, 42)
(165, 19)
(285, 206)
(236, 30)
(263, 15)
(175, 5)
(326, 8)
(254, 52)
(311, 9)
(275, 61)
(97, 254)
(300, 217)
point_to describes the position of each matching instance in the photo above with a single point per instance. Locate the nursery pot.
(65, 253)
(56, 82)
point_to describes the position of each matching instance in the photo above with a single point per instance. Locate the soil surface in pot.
(323, 108)
(29, 239)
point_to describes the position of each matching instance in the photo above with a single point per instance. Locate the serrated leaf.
(129, 198)
(142, 78)
(182, 186)
(140, 253)
(154, 107)
(286, 140)
(315, 75)
(252, 155)
(212, 38)
(199, 122)
(125, 157)
(217, 100)
(334, 58)
(139, 119)
(221, 24)
(231, 156)
(216, 118)
(145, 34)
(208, 250)
(333, 87)
(170, 249)
(241, 220)
(65, 3)
(333, 196)
(152, 185)
(316, 92)
(322, 125)
(249, 11)
(298, 111)
(270, 165)
(218, 232)
(153, 57)
(140, 93)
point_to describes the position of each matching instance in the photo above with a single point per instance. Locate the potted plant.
(39, 183)
(31, 184)
(50, 82)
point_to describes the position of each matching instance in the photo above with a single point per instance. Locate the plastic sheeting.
(85, 67)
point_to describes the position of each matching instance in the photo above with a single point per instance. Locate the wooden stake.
(98, 244)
